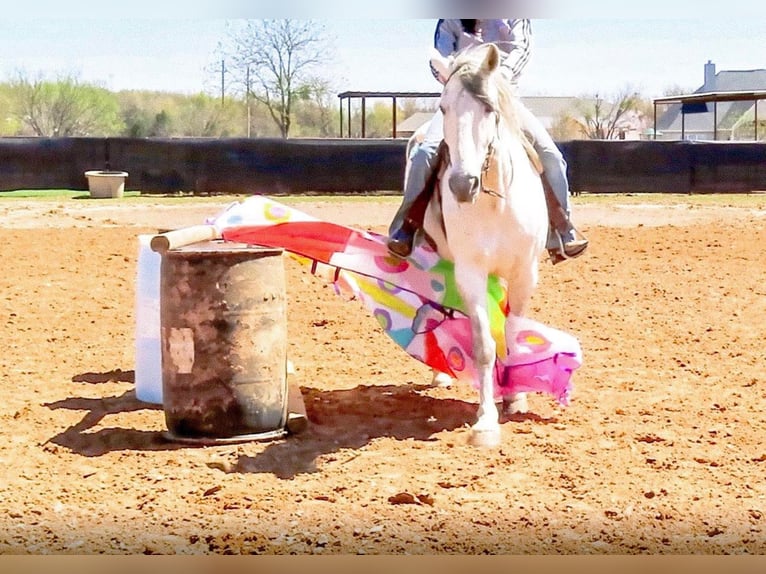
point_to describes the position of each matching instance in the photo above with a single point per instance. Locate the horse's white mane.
(478, 68)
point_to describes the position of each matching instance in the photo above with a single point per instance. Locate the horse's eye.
(441, 108)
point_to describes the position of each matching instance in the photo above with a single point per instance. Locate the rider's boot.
(401, 232)
(569, 250)
(417, 192)
(400, 242)
(563, 242)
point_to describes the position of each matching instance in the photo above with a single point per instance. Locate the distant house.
(551, 109)
(412, 123)
(720, 120)
(562, 115)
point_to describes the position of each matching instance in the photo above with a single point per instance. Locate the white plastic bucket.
(103, 183)
(148, 368)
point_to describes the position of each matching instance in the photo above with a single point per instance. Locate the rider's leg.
(401, 232)
(554, 168)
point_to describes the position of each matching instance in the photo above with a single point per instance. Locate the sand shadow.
(80, 439)
(338, 420)
(116, 375)
(350, 419)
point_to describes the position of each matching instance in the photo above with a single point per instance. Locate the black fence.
(665, 166)
(274, 166)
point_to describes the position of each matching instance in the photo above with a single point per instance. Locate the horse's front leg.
(518, 300)
(472, 284)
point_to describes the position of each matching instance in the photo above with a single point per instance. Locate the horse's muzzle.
(465, 187)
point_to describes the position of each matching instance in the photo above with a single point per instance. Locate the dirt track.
(662, 450)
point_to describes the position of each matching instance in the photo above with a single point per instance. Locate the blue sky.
(572, 56)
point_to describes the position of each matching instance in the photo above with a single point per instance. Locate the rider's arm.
(446, 39)
(516, 40)
(447, 36)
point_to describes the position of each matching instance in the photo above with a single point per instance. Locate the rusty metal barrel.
(223, 319)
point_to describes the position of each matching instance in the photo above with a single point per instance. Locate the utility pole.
(223, 73)
(247, 98)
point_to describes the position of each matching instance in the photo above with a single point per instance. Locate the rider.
(513, 38)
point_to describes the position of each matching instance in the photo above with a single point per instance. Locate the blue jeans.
(554, 166)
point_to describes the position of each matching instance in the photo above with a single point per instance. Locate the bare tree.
(65, 108)
(676, 90)
(600, 119)
(274, 60)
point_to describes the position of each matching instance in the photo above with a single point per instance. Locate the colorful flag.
(415, 300)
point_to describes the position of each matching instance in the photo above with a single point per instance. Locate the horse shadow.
(350, 419)
(338, 420)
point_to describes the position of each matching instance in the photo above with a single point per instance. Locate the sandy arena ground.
(663, 449)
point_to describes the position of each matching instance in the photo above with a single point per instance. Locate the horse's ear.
(440, 64)
(492, 59)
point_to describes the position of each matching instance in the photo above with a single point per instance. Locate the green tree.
(162, 125)
(261, 124)
(149, 113)
(380, 120)
(273, 60)
(745, 128)
(163, 114)
(10, 124)
(65, 108)
(204, 116)
(137, 118)
(565, 127)
(315, 115)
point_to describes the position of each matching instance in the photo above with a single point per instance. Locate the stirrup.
(400, 243)
(559, 254)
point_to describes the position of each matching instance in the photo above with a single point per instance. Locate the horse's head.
(471, 104)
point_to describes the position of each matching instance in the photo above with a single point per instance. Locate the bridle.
(488, 160)
(489, 156)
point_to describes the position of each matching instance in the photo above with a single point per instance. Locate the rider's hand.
(444, 66)
(467, 40)
(504, 31)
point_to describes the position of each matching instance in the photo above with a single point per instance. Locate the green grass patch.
(35, 193)
(744, 200)
(53, 194)
(136, 197)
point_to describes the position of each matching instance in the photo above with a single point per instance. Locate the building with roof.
(551, 109)
(717, 118)
(413, 123)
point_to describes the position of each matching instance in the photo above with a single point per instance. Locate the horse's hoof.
(517, 406)
(484, 437)
(441, 380)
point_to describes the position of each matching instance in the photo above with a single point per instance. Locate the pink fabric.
(415, 300)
